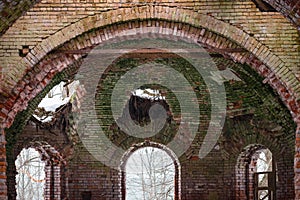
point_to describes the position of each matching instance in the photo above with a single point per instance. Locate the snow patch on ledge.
(148, 94)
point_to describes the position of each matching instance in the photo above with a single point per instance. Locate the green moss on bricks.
(257, 113)
(125, 63)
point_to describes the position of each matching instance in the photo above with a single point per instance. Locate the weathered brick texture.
(59, 35)
(251, 120)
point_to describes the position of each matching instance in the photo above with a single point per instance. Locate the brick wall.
(269, 41)
(213, 177)
(36, 27)
(3, 167)
(55, 178)
(290, 9)
(10, 11)
(251, 119)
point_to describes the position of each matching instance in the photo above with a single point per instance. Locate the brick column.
(3, 164)
(297, 164)
(57, 182)
(47, 189)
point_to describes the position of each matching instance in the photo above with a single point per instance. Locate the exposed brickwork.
(289, 8)
(63, 29)
(198, 177)
(201, 36)
(55, 184)
(51, 28)
(122, 174)
(10, 11)
(3, 165)
(245, 169)
(210, 40)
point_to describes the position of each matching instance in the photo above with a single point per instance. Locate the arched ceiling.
(11, 10)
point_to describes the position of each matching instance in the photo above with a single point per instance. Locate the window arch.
(51, 170)
(150, 171)
(30, 179)
(264, 175)
(256, 174)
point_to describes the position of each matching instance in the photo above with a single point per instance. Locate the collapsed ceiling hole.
(58, 96)
(141, 102)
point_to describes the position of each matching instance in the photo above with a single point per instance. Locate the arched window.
(150, 173)
(264, 176)
(30, 179)
(256, 174)
(40, 174)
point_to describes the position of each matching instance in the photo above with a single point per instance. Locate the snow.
(56, 97)
(148, 94)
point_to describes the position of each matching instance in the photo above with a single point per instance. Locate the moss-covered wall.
(255, 115)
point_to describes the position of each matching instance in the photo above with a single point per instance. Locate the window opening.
(30, 179)
(265, 176)
(58, 96)
(141, 102)
(150, 175)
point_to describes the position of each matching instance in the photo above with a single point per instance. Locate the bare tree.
(31, 175)
(150, 174)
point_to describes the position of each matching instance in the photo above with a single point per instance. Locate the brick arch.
(162, 13)
(54, 167)
(244, 189)
(49, 54)
(48, 153)
(264, 61)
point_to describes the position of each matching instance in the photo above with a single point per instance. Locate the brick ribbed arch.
(42, 63)
(245, 190)
(54, 168)
(271, 66)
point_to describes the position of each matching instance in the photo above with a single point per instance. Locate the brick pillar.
(53, 184)
(57, 182)
(48, 181)
(297, 164)
(3, 187)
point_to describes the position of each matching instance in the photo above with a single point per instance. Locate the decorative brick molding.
(163, 12)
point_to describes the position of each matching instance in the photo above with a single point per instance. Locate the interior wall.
(249, 120)
(273, 43)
